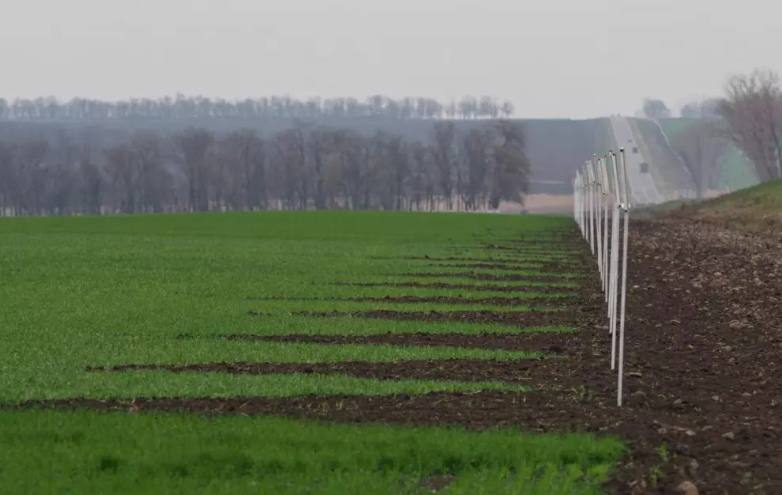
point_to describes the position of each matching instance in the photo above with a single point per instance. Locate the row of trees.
(304, 167)
(707, 108)
(181, 107)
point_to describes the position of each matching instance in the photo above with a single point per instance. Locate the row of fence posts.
(602, 211)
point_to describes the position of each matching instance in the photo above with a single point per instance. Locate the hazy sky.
(552, 58)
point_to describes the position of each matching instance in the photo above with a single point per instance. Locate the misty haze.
(378, 247)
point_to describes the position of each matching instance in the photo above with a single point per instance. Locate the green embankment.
(757, 209)
(733, 169)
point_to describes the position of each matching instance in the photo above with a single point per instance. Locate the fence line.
(602, 211)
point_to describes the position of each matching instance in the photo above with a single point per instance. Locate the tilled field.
(704, 341)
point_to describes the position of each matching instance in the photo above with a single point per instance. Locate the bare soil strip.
(514, 250)
(508, 260)
(549, 342)
(547, 267)
(486, 277)
(472, 370)
(496, 301)
(468, 287)
(515, 318)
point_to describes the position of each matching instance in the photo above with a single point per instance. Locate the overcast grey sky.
(552, 58)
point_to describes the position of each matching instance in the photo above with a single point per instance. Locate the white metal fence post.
(626, 208)
(606, 207)
(601, 208)
(617, 212)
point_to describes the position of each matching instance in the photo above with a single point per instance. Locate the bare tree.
(92, 182)
(477, 155)
(194, 145)
(443, 143)
(125, 177)
(8, 180)
(655, 109)
(249, 155)
(753, 111)
(154, 179)
(510, 178)
(59, 171)
(291, 166)
(30, 175)
(700, 147)
(708, 108)
(507, 109)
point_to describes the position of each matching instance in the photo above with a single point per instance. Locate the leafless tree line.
(181, 107)
(749, 115)
(304, 167)
(753, 110)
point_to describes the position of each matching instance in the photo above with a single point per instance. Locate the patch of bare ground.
(550, 342)
(517, 371)
(550, 248)
(547, 267)
(467, 287)
(497, 301)
(486, 277)
(514, 318)
(501, 261)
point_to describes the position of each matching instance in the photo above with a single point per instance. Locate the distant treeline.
(276, 107)
(304, 167)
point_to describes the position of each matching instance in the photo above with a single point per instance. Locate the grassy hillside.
(757, 208)
(731, 169)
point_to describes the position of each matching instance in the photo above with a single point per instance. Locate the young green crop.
(83, 452)
(165, 289)
(89, 291)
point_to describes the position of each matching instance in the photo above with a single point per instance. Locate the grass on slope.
(755, 209)
(82, 452)
(764, 199)
(734, 169)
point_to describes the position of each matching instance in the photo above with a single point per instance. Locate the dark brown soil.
(552, 251)
(496, 301)
(704, 359)
(553, 278)
(521, 371)
(546, 267)
(477, 260)
(555, 343)
(469, 287)
(515, 318)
